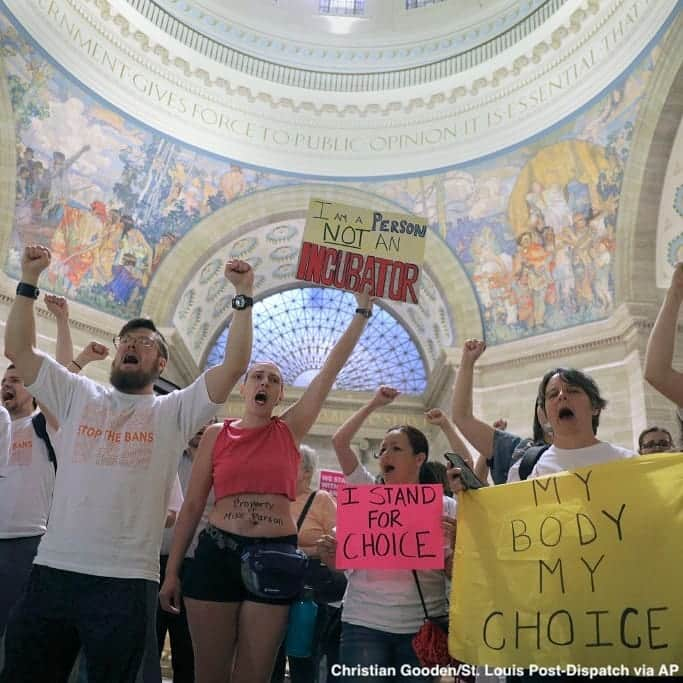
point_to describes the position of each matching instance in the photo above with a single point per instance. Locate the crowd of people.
(127, 516)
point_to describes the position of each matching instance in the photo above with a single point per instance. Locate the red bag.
(431, 644)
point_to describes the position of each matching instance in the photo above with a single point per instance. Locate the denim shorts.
(215, 575)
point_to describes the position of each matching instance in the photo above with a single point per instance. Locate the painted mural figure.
(563, 272)
(132, 265)
(557, 214)
(583, 262)
(58, 184)
(107, 248)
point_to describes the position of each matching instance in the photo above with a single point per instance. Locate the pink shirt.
(260, 460)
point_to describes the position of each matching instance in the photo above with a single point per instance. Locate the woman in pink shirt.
(236, 611)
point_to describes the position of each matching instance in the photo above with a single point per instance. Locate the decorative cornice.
(339, 81)
(394, 36)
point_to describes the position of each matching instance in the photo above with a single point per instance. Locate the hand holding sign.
(327, 550)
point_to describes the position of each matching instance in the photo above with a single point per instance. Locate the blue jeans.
(363, 647)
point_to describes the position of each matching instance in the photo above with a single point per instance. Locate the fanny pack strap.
(223, 540)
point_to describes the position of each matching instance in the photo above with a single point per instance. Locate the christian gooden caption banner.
(390, 526)
(582, 568)
(350, 248)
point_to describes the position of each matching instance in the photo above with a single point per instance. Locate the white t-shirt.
(175, 502)
(118, 458)
(387, 599)
(183, 478)
(5, 435)
(26, 483)
(556, 460)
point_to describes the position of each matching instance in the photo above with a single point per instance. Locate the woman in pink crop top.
(252, 465)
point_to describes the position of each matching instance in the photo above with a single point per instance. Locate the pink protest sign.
(389, 527)
(329, 480)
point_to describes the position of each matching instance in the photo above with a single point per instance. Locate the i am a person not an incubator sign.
(580, 568)
(351, 248)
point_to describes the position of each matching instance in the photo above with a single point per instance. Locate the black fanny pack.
(274, 570)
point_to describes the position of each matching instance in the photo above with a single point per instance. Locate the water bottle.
(301, 626)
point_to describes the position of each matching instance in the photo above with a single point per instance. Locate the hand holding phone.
(467, 476)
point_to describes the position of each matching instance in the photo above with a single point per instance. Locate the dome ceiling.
(439, 87)
(387, 36)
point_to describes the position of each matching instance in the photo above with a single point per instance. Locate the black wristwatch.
(27, 290)
(365, 312)
(242, 301)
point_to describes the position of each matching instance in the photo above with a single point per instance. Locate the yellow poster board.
(582, 569)
(350, 248)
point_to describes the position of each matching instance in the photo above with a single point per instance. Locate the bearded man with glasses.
(97, 566)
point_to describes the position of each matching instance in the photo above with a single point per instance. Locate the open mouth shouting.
(8, 395)
(130, 359)
(261, 398)
(387, 470)
(565, 413)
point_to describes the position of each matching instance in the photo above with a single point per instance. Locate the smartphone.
(469, 478)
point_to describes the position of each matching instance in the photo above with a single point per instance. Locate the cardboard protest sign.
(390, 527)
(330, 480)
(350, 248)
(577, 569)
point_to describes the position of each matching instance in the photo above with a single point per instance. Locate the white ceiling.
(294, 32)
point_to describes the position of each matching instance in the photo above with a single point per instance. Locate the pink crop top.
(260, 460)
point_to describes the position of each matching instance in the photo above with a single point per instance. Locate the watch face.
(239, 302)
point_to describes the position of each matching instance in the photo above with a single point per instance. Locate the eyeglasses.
(651, 445)
(143, 342)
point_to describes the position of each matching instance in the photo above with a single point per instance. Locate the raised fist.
(384, 396)
(57, 305)
(93, 351)
(472, 349)
(241, 274)
(34, 261)
(436, 416)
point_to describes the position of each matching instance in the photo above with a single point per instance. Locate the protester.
(319, 519)
(382, 610)
(498, 449)
(97, 563)
(27, 478)
(655, 440)
(572, 403)
(252, 465)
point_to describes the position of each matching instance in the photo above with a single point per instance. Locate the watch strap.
(365, 312)
(242, 301)
(27, 290)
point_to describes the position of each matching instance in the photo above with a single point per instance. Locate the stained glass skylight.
(414, 4)
(342, 8)
(297, 328)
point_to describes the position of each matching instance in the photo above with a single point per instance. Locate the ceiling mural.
(535, 227)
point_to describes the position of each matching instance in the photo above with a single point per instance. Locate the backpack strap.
(304, 512)
(40, 426)
(529, 459)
